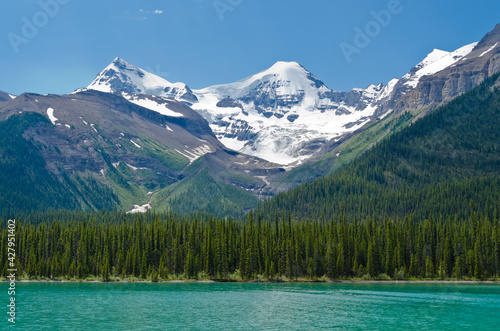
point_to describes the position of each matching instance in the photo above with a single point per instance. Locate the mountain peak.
(434, 62)
(284, 65)
(433, 56)
(285, 68)
(122, 76)
(123, 64)
(282, 73)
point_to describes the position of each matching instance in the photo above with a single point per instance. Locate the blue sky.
(207, 42)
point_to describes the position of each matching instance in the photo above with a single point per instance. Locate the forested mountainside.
(435, 166)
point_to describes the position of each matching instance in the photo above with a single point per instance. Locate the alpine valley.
(132, 141)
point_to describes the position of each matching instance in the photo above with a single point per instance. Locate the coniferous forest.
(422, 204)
(169, 247)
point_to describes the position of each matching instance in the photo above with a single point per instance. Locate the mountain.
(106, 152)
(5, 96)
(133, 141)
(282, 114)
(287, 115)
(124, 77)
(451, 74)
(435, 166)
(436, 80)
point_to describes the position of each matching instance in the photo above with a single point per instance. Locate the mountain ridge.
(287, 115)
(136, 141)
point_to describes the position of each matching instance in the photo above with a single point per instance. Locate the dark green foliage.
(437, 166)
(202, 192)
(25, 183)
(111, 245)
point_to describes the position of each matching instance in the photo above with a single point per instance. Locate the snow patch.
(50, 113)
(489, 50)
(140, 209)
(384, 115)
(195, 153)
(264, 178)
(136, 168)
(153, 105)
(136, 144)
(68, 126)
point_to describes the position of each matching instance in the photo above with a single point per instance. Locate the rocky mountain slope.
(464, 71)
(5, 96)
(139, 153)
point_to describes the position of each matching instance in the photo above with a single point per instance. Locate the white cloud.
(156, 11)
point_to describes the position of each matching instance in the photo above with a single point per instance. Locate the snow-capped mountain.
(447, 75)
(436, 61)
(121, 76)
(285, 114)
(282, 114)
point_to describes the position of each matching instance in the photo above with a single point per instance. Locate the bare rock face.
(5, 96)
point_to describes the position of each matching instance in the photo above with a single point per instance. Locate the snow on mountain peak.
(283, 78)
(285, 71)
(433, 56)
(121, 76)
(434, 62)
(284, 68)
(279, 113)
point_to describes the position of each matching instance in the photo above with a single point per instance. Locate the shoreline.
(270, 282)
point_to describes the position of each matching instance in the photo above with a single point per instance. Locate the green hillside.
(25, 182)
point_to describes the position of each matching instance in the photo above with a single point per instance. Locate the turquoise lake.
(254, 306)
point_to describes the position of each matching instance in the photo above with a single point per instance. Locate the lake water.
(253, 306)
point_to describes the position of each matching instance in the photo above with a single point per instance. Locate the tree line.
(166, 247)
